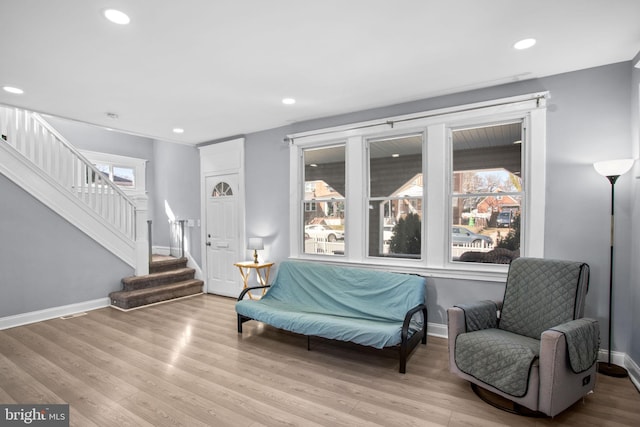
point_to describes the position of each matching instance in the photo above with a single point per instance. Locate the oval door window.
(222, 189)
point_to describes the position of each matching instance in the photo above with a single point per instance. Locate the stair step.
(140, 297)
(156, 279)
(161, 263)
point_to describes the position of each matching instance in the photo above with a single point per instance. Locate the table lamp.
(256, 244)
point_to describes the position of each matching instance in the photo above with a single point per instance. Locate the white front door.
(222, 235)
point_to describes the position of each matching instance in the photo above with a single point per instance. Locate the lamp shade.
(613, 167)
(255, 243)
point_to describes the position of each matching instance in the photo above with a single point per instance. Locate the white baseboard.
(437, 330)
(617, 358)
(52, 313)
(161, 250)
(634, 371)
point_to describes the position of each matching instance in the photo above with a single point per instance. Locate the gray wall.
(177, 182)
(588, 120)
(592, 115)
(47, 262)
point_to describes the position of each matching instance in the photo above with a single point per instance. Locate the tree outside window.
(486, 196)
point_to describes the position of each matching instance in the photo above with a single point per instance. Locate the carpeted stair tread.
(139, 297)
(157, 279)
(165, 263)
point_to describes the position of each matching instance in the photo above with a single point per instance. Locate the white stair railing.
(31, 136)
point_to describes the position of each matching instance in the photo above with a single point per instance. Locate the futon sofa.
(368, 307)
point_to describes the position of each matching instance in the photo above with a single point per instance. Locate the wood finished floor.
(183, 363)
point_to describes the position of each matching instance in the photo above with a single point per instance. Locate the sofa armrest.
(246, 290)
(406, 325)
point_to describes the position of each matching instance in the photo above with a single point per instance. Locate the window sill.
(472, 271)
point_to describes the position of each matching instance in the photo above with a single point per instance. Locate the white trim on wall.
(222, 158)
(138, 165)
(52, 313)
(37, 183)
(529, 108)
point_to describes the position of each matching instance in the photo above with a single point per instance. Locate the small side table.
(245, 268)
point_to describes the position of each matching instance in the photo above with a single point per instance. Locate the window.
(127, 172)
(395, 197)
(120, 175)
(323, 202)
(425, 193)
(487, 193)
(222, 189)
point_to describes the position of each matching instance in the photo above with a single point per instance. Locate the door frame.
(222, 158)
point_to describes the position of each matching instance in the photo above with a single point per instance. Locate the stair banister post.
(142, 239)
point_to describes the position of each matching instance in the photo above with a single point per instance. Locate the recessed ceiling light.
(395, 155)
(524, 44)
(14, 90)
(313, 165)
(178, 130)
(288, 101)
(116, 16)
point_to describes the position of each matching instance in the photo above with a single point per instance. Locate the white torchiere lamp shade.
(613, 167)
(256, 244)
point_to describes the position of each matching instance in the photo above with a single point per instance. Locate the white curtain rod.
(391, 122)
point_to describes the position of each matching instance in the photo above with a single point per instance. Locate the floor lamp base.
(611, 370)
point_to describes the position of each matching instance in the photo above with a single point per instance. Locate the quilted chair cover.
(540, 353)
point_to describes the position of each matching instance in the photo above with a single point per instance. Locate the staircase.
(168, 278)
(41, 161)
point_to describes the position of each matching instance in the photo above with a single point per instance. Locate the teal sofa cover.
(368, 307)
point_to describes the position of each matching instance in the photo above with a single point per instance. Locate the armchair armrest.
(560, 385)
(480, 315)
(583, 341)
(457, 324)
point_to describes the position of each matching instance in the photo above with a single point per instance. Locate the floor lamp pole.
(608, 368)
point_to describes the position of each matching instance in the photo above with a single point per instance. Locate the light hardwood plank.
(184, 364)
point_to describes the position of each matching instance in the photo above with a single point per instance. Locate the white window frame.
(139, 167)
(436, 169)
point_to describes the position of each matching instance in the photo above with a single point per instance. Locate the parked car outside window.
(318, 231)
(505, 219)
(461, 235)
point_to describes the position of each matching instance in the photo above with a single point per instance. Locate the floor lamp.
(612, 169)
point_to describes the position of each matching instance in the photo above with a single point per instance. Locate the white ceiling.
(221, 68)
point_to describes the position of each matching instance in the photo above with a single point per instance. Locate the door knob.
(208, 243)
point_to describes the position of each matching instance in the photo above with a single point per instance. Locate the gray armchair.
(534, 348)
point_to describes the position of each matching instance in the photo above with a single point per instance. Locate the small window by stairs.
(169, 278)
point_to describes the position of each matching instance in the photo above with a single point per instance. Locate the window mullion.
(356, 197)
(438, 205)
